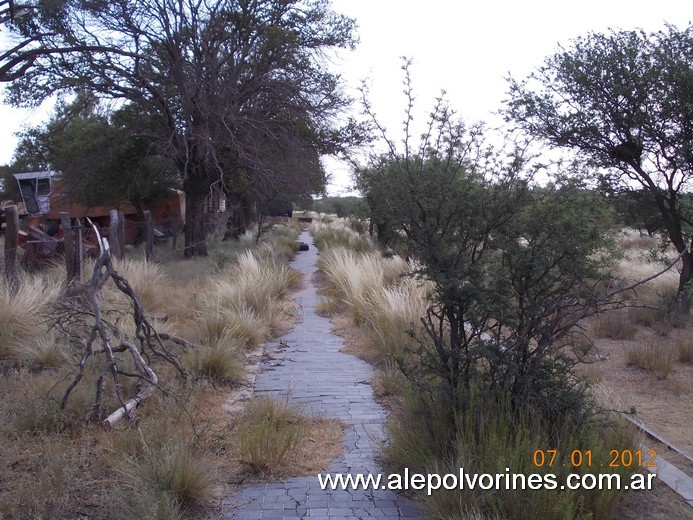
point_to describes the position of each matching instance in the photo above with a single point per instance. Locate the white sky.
(466, 49)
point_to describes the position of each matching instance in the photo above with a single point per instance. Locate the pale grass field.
(177, 459)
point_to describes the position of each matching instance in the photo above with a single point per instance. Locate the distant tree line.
(343, 207)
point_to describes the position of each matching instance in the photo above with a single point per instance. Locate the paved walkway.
(325, 382)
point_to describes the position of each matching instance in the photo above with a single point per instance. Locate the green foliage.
(637, 209)
(101, 158)
(622, 101)
(236, 95)
(343, 207)
(493, 439)
(513, 268)
(510, 265)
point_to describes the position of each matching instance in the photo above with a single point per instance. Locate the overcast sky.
(464, 49)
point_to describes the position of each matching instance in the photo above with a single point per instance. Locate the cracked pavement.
(307, 365)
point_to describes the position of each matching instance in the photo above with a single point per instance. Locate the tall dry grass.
(164, 465)
(338, 233)
(241, 307)
(22, 313)
(393, 315)
(352, 277)
(376, 290)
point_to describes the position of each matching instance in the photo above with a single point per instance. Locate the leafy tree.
(637, 209)
(221, 80)
(99, 155)
(514, 267)
(624, 102)
(341, 206)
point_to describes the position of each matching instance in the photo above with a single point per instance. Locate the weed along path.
(307, 365)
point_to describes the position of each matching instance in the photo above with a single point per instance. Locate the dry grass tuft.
(392, 316)
(221, 362)
(43, 353)
(338, 233)
(653, 356)
(20, 313)
(146, 279)
(614, 325)
(685, 350)
(270, 430)
(179, 470)
(645, 316)
(353, 278)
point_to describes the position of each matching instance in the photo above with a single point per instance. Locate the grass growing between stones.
(275, 440)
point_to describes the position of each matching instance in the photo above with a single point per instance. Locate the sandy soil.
(664, 406)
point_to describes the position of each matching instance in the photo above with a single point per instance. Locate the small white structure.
(36, 188)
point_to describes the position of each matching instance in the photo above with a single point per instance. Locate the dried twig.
(82, 303)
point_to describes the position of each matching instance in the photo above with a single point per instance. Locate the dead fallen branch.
(80, 317)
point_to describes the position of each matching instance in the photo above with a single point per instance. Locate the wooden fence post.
(68, 247)
(149, 230)
(116, 246)
(174, 231)
(11, 234)
(121, 233)
(79, 251)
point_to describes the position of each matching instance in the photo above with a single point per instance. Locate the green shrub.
(492, 439)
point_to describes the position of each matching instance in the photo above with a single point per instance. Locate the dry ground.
(663, 405)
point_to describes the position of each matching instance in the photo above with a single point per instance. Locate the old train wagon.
(44, 198)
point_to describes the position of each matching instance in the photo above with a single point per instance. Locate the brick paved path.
(323, 381)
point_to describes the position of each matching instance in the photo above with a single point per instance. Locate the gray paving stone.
(307, 366)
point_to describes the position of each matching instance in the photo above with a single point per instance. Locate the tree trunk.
(11, 235)
(196, 189)
(684, 292)
(235, 225)
(149, 236)
(249, 211)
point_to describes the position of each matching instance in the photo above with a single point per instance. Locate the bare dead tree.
(81, 305)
